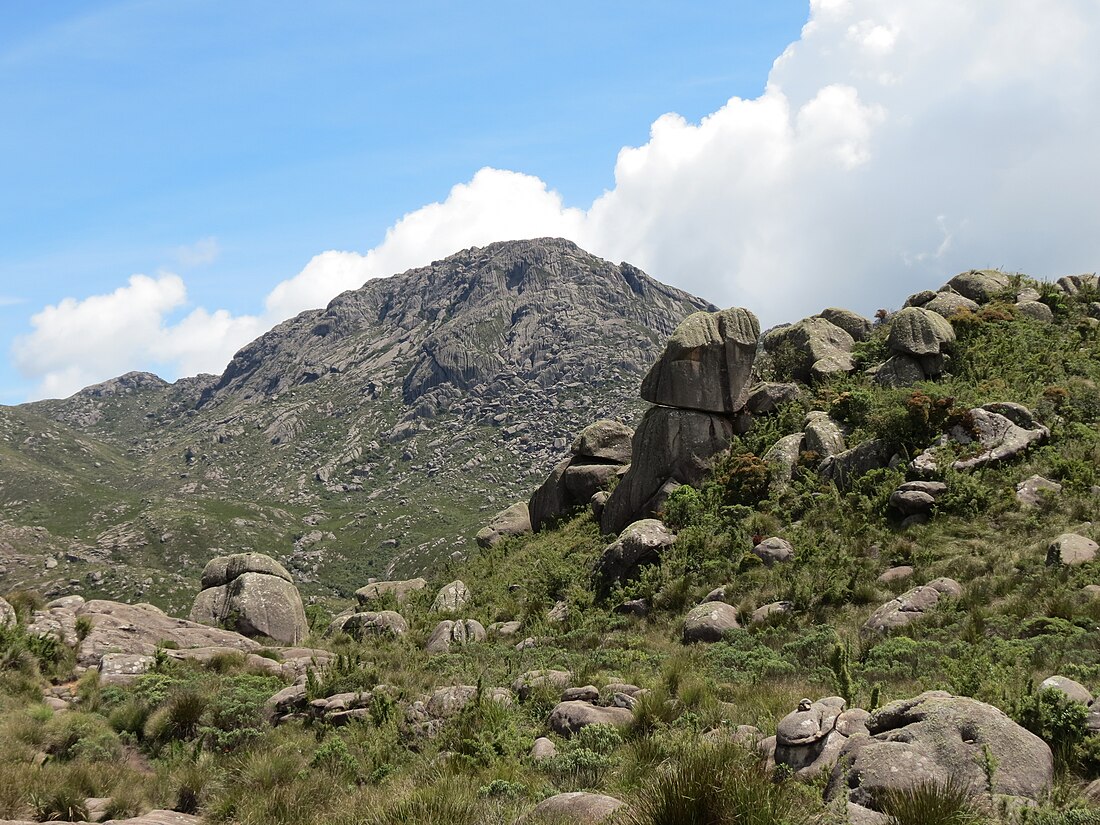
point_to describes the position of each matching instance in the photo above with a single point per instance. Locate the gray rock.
(707, 363)
(511, 521)
(587, 693)
(1071, 549)
(895, 574)
(912, 605)
(782, 458)
(606, 440)
(1075, 284)
(1032, 491)
(538, 679)
(401, 590)
(768, 397)
(122, 668)
(980, 285)
(898, 371)
(582, 480)
(774, 550)
(370, 623)
(1001, 438)
(7, 614)
(224, 569)
(558, 614)
(817, 347)
(499, 630)
(451, 598)
(851, 322)
(551, 499)
(670, 446)
(573, 808)
(950, 303)
(709, 622)
(765, 612)
(921, 298)
(822, 435)
(1074, 691)
(842, 468)
(1028, 294)
(936, 737)
(640, 543)
(633, 607)
(543, 749)
(569, 717)
(448, 634)
(917, 331)
(261, 605)
(910, 502)
(1036, 311)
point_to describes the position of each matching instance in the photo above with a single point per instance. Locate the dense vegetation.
(195, 738)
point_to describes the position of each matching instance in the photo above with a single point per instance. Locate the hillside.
(870, 595)
(369, 438)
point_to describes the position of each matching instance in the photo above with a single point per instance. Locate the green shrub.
(60, 804)
(1058, 720)
(74, 735)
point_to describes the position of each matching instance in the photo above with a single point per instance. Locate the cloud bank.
(895, 144)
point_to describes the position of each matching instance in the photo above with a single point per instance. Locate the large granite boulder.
(936, 738)
(511, 521)
(980, 285)
(898, 370)
(919, 332)
(809, 739)
(709, 622)
(912, 605)
(707, 363)
(768, 397)
(572, 808)
(569, 717)
(605, 440)
(853, 323)
(670, 446)
(639, 544)
(401, 590)
(817, 348)
(948, 304)
(1001, 430)
(1071, 549)
(253, 594)
(448, 634)
(822, 435)
(781, 459)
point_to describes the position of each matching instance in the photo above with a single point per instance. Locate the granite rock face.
(253, 593)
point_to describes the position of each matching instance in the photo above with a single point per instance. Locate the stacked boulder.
(252, 594)
(919, 341)
(809, 740)
(699, 387)
(598, 454)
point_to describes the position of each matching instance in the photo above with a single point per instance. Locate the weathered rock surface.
(451, 597)
(767, 611)
(950, 303)
(1002, 431)
(1036, 311)
(768, 397)
(843, 467)
(370, 623)
(1072, 690)
(912, 605)
(7, 613)
(919, 332)
(253, 593)
(937, 737)
(401, 590)
(639, 544)
(1075, 284)
(898, 371)
(817, 347)
(573, 808)
(851, 322)
(980, 285)
(1032, 491)
(774, 550)
(707, 363)
(782, 458)
(809, 739)
(1071, 549)
(605, 440)
(569, 717)
(822, 435)
(709, 622)
(670, 446)
(511, 521)
(448, 634)
(540, 679)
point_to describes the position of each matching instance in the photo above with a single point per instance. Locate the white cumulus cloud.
(895, 144)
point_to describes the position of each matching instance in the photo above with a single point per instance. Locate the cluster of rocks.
(254, 595)
(698, 386)
(916, 499)
(98, 807)
(597, 456)
(968, 291)
(582, 706)
(997, 432)
(809, 739)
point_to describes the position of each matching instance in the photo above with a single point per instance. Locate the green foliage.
(1059, 721)
(60, 804)
(930, 803)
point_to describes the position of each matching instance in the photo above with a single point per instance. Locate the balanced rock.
(709, 622)
(912, 605)
(401, 590)
(809, 739)
(573, 808)
(817, 348)
(511, 521)
(707, 363)
(936, 738)
(1071, 549)
(448, 634)
(569, 717)
(919, 332)
(639, 544)
(254, 594)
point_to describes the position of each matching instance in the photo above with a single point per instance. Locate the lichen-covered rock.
(370, 623)
(123, 668)
(224, 569)
(1075, 284)
(912, 605)
(918, 331)
(815, 347)
(1036, 311)
(980, 285)
(768, 397)
(774, 550)
(1003, 431)
(253, 594)
(448, 634)
(767, 611)
(451, 597)
(782, 457)
(843, 468)
(605, 440)
(671, 446)
(898, 370)
(822, 435)
(948, 304)
(573, 808)
(511, 521)
(7, 614)
(707, 363)
(1071, 549)
(1032, 491)
(639, 544)
(937, 737)
(1072, 690)
(401, 590)
(709, 622)
(569, 717)
(851, 322)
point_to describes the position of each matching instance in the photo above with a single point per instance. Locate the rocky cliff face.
(370, 437)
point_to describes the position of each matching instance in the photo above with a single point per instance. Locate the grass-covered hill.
(431, 738)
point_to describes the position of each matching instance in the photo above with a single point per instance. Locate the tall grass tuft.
(931, 803)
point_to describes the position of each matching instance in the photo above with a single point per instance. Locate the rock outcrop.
(511, 521)
(912, 605)
(638, 545)
(1000, 431)
(253, 594)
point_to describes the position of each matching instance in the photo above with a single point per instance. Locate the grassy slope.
(1017, 622)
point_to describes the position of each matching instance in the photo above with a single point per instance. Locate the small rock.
(1074, 691)
(774, 550)
(1031, 492)
(709, 622)
(1071, 549)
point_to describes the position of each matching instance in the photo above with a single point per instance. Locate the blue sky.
(179, 176)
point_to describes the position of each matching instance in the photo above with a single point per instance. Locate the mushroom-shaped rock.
(937, 737)
(572, 808)
(815, 346)
(774, 550)
(1072, 690)
(401, 590)
(851, 322)
(640, 543)
(707, 363)
(948, 304)
(448, 634)
(451, 597)
(912, 605)
(918, 331)
(370, 623)
(1071, 549)
(981, 285)
(569, 717)
(671, 446)
(511, 521)
(605, 440)
(709, 622)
